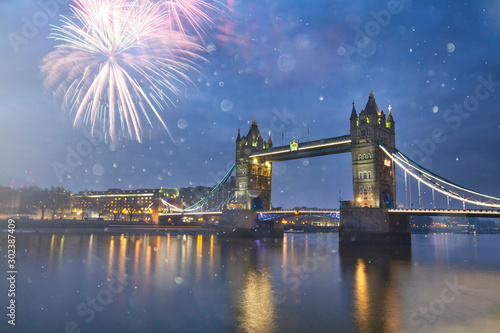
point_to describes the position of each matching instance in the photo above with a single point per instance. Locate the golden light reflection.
(89, 255)
(361, 297)
(111, 255)
(160, 253)
(158, 243)
(147, 268)
(136, 257)
(199, 252)
(285, 252)
(61, 249)
(185, 255)
(122, 255)
(168, 244)
(52, 248)
(258, 310)
(156, 251)
(211, 263)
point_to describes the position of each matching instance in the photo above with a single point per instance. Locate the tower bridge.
(373, 172)
(372, 216)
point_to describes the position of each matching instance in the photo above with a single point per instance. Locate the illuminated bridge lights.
(319, 147)
(277, 214)
(447, 212)
(439, 184)
(451, 190)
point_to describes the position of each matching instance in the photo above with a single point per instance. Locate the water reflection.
(52, 248)
(247, 269)
(211, 258)
(61, 251)
(361, 297)
(199, 255)
(136, 257)
(207, 284)
(91, 243)
(375, 285)
(111, 254)
(122, 255)
(257, 306)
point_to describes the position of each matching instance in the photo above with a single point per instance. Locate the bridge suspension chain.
(437, 183)
(205, 200)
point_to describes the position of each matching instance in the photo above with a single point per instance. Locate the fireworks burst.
(118, 60)
(192, 14)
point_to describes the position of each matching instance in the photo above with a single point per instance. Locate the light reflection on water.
(361, 297)
(258, 309)
(199, 283)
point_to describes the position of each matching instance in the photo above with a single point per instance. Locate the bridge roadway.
(335, 145)
(446, 212)
(399, 211)
(190, 213)
(300, 211)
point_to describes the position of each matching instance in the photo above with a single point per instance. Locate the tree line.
(30, 200)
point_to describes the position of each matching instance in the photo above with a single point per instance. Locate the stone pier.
(243, 223)
(360, 226)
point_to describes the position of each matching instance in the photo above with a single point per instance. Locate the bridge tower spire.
(253, 177)
(374, 182)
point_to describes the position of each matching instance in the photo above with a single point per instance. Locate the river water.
(102, 282)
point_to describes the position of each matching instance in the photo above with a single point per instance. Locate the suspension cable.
(205, 199)
(404, 162)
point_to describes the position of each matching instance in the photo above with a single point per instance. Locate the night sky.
(294, 66)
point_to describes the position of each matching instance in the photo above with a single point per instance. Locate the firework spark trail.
(196, 14)
(118, 59)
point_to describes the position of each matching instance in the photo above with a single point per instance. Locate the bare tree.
(57, 200)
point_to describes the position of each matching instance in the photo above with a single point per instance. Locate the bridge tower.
(253, 177)
(373, 173)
